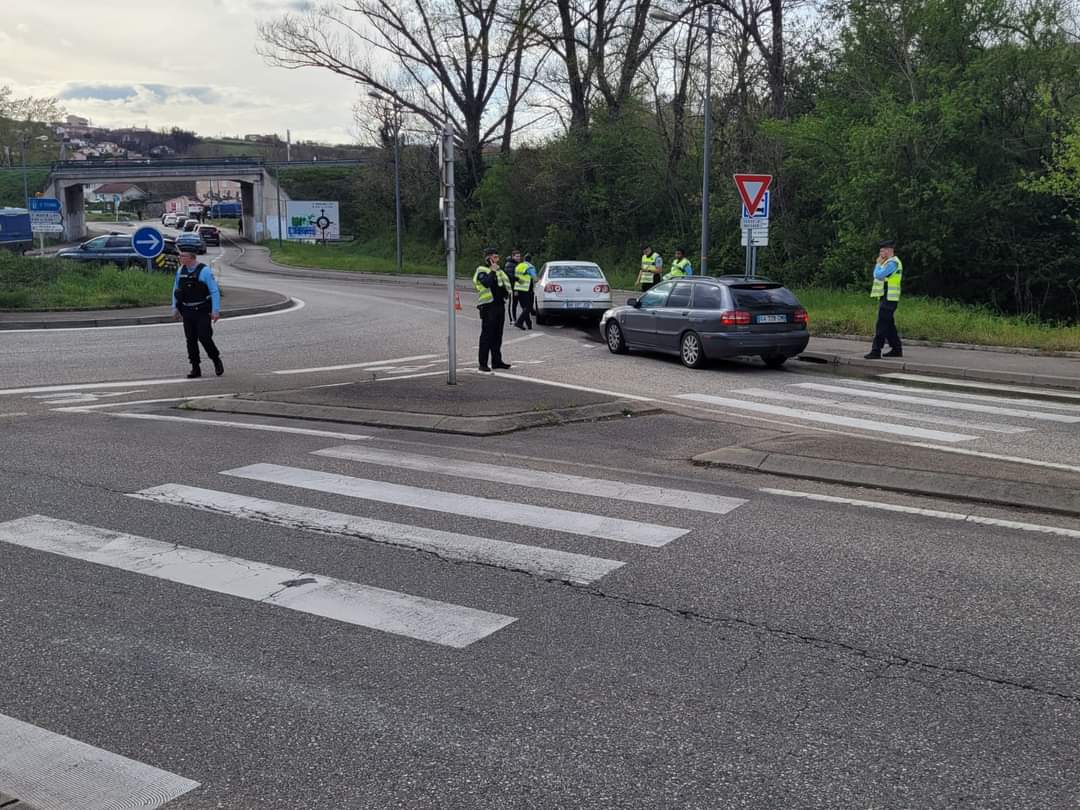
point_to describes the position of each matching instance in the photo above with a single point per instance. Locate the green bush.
(28, 283)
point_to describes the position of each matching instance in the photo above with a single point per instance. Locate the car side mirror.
(82, 246)
(633, 302)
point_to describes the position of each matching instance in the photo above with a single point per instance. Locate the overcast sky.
(190, 64)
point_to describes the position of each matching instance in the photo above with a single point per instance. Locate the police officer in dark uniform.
(493, 288)
(197, 301)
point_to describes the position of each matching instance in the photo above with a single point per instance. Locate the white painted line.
(1017, 389)
(537, 479)
(577, 387)
(784, 396)
(998, 457)
(369, 364)
(896, 396)
(53, 772)
(330, 434)
(524, 338)
(390, 611)
(1009, 402)
(545, 562)
(829, 419)
(47, 389)
(124, 404)
(934, 513)
(17, 413)
(297, 305)
(540, 517)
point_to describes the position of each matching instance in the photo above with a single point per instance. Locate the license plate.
(577, 305)
(772, 318)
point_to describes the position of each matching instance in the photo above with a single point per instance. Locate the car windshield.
(761, 295)
(574, 271)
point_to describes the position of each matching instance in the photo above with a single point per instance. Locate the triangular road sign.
(752, 188)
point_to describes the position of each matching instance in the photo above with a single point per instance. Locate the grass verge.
(832, 312)
(29, 284)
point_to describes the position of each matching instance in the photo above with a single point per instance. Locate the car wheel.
(616, 343)
(691, 352)
(541, 318)
(774, 360)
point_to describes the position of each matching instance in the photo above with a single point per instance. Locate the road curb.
(243, 262)
(998, 492)
(432, 423)
(283, 302)
(874, 368)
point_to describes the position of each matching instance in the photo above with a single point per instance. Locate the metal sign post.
(446, 204)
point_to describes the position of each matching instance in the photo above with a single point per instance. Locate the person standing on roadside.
(680, 267)
(493, 288)
(197, 301)
(652, 267)
(509, 268)
(888, 273)
(524, 286)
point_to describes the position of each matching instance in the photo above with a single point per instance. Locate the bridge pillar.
(251, 215)
(73, 207)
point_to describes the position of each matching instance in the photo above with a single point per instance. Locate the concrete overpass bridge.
(259, 190)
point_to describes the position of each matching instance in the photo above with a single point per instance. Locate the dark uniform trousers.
(885, 330)
(492, 320)
(197, 329)
(525, 301)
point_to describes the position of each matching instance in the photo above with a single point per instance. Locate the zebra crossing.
(399, 613)
(937, 415)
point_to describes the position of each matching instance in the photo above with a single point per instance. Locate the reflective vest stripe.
(678, 269)
(522, 279)
(483, 294)
(648, 268)
(877, 290)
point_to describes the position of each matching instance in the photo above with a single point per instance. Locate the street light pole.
(23, 143)
(707, 154)
(396, 108)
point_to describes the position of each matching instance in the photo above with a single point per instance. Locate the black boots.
(219, 367)
(195, 372)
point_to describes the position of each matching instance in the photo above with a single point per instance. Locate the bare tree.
(449, 60)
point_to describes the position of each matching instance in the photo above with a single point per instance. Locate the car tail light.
(802, 317)
(734, 317)
(601, 288)
(552, 288)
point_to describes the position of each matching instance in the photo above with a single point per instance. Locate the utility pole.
(396, 107)
(446, 205)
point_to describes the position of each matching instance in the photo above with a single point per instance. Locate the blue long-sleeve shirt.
(206, 276)
(883, 271)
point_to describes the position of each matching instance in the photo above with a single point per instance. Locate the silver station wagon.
(705, 318)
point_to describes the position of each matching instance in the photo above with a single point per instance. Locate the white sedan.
(575, 288)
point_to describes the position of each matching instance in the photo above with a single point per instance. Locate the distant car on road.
(188, 225)
(169, 220)
(703, 318)
(116, 249)
(191, 241)
(571, 288)
(210, 234)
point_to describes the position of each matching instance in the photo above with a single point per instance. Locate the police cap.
(490, 252)
(887, 243)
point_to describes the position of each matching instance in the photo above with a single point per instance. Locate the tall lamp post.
(395, 105)
(706, 158)
(24, 141)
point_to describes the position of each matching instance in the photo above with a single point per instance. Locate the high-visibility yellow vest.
(522, 279)
(483, 292)
(648, 268)
(877, 290)
(678, 269)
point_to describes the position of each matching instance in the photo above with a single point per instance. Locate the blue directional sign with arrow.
(147, 242)
(47, 204)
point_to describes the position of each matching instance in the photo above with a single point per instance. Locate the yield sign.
(752, 188)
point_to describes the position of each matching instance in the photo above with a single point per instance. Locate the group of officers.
(652, 267)
(512, 288)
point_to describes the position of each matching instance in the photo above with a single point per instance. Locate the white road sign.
(312, 219)
(46, 222)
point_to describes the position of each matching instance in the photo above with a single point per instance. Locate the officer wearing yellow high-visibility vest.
(888, 274)
(680, 267)
(493, 288)
(652, 266)
(524, 285)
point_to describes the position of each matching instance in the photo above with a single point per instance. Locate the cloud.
(265, 6)
(143, 93)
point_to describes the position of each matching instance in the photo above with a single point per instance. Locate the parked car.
(191, 241)
(189, 225)
(703, 318)
(116, 249)
(566, 288)
(210, 234)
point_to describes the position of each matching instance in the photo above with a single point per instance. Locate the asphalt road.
(785, 653)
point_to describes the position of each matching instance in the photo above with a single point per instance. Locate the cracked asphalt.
(788, 654)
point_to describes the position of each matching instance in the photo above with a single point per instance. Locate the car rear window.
(708, 296)
(763, 296)
(574, 271)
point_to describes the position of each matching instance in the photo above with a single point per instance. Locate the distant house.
(77, 121)
(107, 193)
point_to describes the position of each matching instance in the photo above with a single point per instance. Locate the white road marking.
(369, 364)
(965, 395)
(545, 562)
(875, 426)
(579, 388)
(998, 457)
(785, 396)
(49, 770)
(16, 413)
(124, 404)
(81, 396)
(390, 611)
(47, 389)
(934, 513)
(523, 338)
(296, 306)
(1017, 389)
(540, 517)
(330, 434)
(940, 403)
(537, 479)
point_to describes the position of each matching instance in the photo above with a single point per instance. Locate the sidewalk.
(235, 301)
